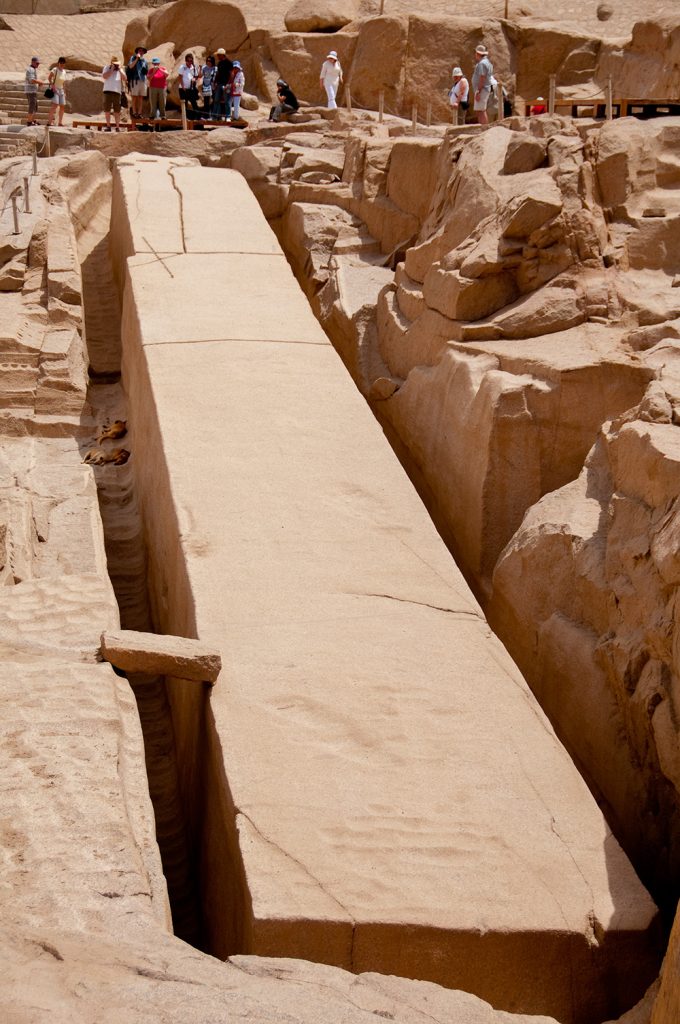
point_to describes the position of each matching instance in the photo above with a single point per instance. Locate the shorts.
(139, 88)
(59, 99)
(112, 102)
(483, 102)
(32, 98)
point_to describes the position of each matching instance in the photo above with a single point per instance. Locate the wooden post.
(428, 119)
(348, 99)
(35, 155)
(382, 6)
(414, 119)
(381, 106)
(551, 94)
(27, 196)
(184, 115)
(610, 100)
(15, 214)
(47, 140)
(506, 9)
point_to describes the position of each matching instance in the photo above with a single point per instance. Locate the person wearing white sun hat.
(482, 83)
(459, 94)
(331, 78)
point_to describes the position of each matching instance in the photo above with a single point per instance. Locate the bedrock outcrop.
(339, 701)
(86, 930)
(497, 320)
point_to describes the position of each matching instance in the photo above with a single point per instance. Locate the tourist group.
(214, 91)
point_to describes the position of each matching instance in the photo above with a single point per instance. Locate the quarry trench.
(184, 771)
(127, 567)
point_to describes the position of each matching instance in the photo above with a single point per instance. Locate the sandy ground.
(94, 35)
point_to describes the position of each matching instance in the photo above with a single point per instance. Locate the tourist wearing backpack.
(137, 71)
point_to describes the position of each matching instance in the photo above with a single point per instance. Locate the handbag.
(49, 92)
(123, 100)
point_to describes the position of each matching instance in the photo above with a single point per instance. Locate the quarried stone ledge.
(376, 788)
(161, 655)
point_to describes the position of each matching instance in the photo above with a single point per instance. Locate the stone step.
(10, 105)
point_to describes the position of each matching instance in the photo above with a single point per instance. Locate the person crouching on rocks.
(113, 90)
(331, 78)
(137, 71)
(158, 82)
(57, 81)
(238, 81)
(459, 94)
(288, 101)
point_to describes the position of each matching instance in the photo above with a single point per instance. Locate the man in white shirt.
(31, 89)
(113, 90)
(459, 95)
(331, 78)
(188, 76)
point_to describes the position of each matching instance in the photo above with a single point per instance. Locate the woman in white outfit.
(459, 94)
(331, 78)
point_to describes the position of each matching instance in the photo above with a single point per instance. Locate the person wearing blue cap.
(238, 81)
(158, 84)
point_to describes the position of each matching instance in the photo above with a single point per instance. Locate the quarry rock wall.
(337, 575)
(498, 318)
(86, 932)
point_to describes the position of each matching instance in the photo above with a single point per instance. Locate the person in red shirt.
(538, 107)
(158, 84)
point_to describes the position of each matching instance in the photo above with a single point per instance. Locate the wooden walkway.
(157, 123)
(620, 107)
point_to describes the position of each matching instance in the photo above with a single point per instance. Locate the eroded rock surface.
(313, 605)
(86, 930)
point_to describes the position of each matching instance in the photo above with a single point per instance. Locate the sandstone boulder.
(136, 34)
(525, 153)
(214, 23)
(434, 45)
(321, 15)
(299, 59)
(85, 91)
(378, 64)
(78, 62)
(545, 50)
(648, 64)
(157, 654)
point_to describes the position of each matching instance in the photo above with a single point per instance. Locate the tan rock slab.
(397, 801)
(168, 213)
(254, 305)
(157, 654)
